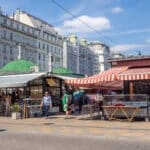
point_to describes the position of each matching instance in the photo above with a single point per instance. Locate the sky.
(123, 25)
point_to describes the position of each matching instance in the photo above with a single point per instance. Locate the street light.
(19, 49)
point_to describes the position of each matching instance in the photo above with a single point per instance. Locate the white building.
(39, 42)
(78, 57)
(70, 56)
(116, 55)
(102, 52)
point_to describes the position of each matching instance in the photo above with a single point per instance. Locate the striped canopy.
(135, 74)
(112, 78)
(106, 76)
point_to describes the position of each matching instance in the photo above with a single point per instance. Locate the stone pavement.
(57, 125)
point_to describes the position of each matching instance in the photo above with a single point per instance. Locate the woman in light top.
(46, 104)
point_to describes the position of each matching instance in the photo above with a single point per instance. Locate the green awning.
(17, 66)
(65, 72)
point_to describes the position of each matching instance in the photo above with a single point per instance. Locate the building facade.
(102, 55)
(37, 39)
(78, 57)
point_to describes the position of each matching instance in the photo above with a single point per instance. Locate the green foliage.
(15, 108)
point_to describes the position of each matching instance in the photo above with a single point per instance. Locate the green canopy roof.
(65, 72)
(17, 66)
(61, 70)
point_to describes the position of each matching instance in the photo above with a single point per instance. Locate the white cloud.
(117, 10)
(75, 11)
(129, 47)
(148, 40)
(134, 31)
(85, 24)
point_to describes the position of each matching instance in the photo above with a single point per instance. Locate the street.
(59, 133)
(54, 142)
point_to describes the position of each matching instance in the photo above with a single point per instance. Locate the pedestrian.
(46, 104)
(66, 101)
(8, 104)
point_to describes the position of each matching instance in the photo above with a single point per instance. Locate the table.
(129, 112)
(90, 109)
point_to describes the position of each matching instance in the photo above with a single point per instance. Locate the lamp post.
(19, 50)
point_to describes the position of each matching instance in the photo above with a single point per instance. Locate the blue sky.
(124, 25)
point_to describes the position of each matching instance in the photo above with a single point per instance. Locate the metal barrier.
(140, 101)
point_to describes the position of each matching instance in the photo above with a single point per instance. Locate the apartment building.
(102, 55)
(78, 57)
(38, 40)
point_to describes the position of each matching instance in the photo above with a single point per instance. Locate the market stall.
(30, 88)
(134, 76)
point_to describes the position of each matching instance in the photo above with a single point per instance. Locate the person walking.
(46, 104)
(66, 102)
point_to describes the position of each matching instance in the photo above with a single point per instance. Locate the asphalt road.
(37, 141)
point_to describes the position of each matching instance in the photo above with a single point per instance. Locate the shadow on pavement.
(48, 123)
(2, 130)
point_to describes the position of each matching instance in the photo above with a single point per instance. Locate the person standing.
(46, 104)
(8, 104)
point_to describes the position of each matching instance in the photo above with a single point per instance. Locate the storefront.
(31, 87)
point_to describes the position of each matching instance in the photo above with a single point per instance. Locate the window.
(5, 21)
(11, 50)
(11, 24)
(51, 48)
(43, 46)
(28, 30)
(5, 34)
(22, 28)
(17, 26)
(4, 49)
(47, 47)
(52, 59)
(43, 57)
(39, 45)
(33, 32)
(39, 56)
(11, 36)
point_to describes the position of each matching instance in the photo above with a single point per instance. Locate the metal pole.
(147, 99)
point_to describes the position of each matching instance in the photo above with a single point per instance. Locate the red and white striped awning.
(106, 76)
(135, 74)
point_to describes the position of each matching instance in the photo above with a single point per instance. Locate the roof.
(21, 80)
(65, 72)
(129, 58)
(61, 70)
(105, 76)
(135, 74)
(17, 66)
(60, 77)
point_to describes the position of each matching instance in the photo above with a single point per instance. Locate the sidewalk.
(74, 126)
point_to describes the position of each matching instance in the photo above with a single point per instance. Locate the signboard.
(52, 82)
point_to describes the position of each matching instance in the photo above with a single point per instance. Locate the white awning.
(18, 80)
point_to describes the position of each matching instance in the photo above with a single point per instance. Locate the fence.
(136, 100)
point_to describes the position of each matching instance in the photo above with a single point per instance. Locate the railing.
(136, 100)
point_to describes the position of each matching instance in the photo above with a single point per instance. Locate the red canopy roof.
(106, 76)
(112, 78)
(135, 74)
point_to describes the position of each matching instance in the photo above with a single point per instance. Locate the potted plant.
(16, 111)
